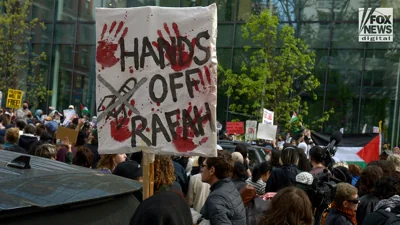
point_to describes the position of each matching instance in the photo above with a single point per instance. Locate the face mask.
(268, 157)
(24, 107)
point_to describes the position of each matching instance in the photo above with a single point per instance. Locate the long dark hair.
(260, 170)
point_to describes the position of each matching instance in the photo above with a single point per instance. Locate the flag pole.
(148, 174)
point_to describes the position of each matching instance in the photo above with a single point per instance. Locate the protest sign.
(235, 127)
(14, 99)
(266, 131)
(68, 114)
(156, 87)
(251, 130)
(268, 117)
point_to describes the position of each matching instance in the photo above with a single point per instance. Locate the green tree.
(19, 68)
(278, 75)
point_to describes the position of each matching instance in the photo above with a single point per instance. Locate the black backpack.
(392, 217)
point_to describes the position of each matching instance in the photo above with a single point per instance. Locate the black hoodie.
(25, 141)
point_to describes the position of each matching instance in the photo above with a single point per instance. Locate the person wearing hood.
(388, 190)
(38, 114)
(164, 208)
(28, 137)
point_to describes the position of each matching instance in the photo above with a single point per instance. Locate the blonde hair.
(237, 157)
(107, 162)
(12, 135)
(341, 163)
(395, 159)
(344, 191)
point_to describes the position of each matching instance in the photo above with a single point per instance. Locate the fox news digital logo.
(375, 25)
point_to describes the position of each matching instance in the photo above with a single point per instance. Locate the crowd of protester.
(224, 189)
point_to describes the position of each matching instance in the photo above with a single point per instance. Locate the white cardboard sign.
(268, 117)
(251, 130)
(156, 72)
(266, 131)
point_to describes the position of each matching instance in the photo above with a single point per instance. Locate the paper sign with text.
(251, 130)
(156, 73)
(235, 127)
(266, 131)
(14, 99)
(268, 117)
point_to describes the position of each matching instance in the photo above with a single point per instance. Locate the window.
(84, 55)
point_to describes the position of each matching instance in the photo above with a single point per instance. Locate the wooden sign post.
(148, 174)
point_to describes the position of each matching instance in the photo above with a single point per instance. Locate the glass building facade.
(359, 80)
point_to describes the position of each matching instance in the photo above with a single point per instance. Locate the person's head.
(368, 178)
(304, 163)
(261, 171)
(164, 208)
(289, 155)
(110, 161)
(12, 135)
(275, 158)
(217, 168)
(386, 187)
(387, 167)
(346, 197)
(25, 105)
(282, 211)
(40, 128)
(395, 159)
(93, 137)
(316, 154)
(48, 151)
(30, 129)
(80, 140)
(83, 157)
(242, 149)
(164, 172)
(237, 157)
(5, 120)
(129, 169)
(342, 173)
(355, 170)
(384, 155)
(239, 172)
(20, 124)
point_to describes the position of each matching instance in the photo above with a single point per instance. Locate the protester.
(28, 137)
(242, 149)
(286, 175)
(131, 170)
(46, 151)
(316, 159)
(164, 175)
(290, 206)
(355, 171)
(197, 191)
(239, 176)
(304, 163)
(164, 208)
(366, 185)
(224, 204)
(344, 206)
(388, 208)
(108, 162)
(11, 140)
(260, 175)
(83, 157)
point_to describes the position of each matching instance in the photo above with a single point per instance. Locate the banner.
(266, 131)
(251, 130)
(156, 72)
(235, 127)
(14, 99)
(268, 117)
(354, 148)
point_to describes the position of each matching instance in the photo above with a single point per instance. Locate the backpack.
(391, 217)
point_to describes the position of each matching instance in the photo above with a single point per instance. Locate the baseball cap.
(128, 169)
(71, 107)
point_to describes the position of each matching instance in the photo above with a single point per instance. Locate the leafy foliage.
(18, 66)
(278, 74)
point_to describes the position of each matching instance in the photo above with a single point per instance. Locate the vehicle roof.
(50, 183)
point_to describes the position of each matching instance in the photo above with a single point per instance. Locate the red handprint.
(187, 57)
(107, 47)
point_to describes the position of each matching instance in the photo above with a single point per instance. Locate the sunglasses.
(354, 201)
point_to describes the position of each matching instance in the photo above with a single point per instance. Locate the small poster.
(251, 130)
(235, 127)
(14, 99)
(268, 117)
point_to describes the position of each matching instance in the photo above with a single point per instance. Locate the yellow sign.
(14, 99)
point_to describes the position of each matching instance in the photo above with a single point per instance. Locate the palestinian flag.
(294, 118)
(358, 149)
(84, 110)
